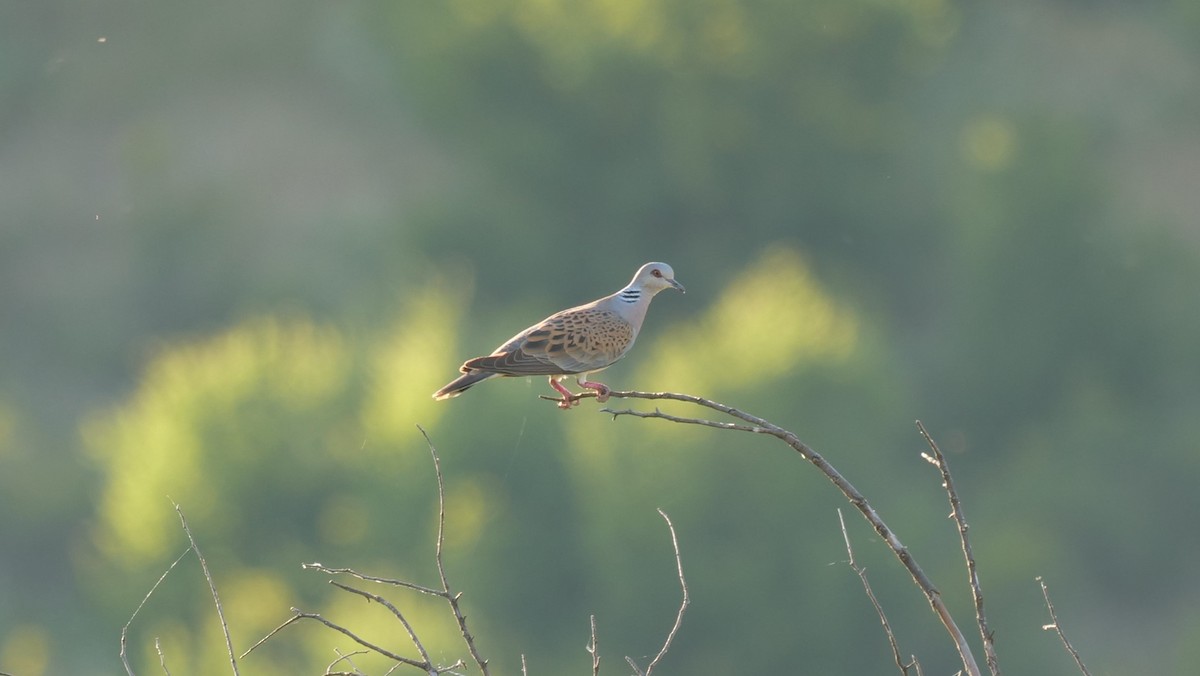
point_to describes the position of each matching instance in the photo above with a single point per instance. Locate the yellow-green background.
(241, 242)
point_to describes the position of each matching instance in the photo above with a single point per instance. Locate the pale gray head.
(654, 277)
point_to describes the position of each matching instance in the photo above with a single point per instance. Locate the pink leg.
(568, 398)
(602, 390)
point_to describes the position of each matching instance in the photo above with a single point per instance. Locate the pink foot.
(569, 399)
(601, 389)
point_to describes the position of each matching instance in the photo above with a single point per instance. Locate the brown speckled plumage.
(577, 341)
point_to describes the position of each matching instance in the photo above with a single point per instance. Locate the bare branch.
(212, 587)
(887, 627)
(856, 498)
(300, 615)
(678, 615)
(938, 460)
(451, 597)
(397, 665)
(412, 635)
(690, 421)
(162, 659)
(125, 629)
(372, 578)
(291, 620)
(593, 650)
(683, 605)
(1058, 628)
(347, 658)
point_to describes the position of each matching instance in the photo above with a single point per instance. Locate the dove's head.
(654, 277)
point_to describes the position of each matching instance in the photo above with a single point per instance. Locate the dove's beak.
(677, 285)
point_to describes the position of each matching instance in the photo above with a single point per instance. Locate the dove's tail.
(462, 384)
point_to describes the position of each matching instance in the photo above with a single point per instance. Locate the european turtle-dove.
(579, 341)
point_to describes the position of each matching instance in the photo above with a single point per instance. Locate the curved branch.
(887, 626)
(761, 426)
(938, 460)
(1058, 629)
(683, 604)
(212, 586)
(446, 593)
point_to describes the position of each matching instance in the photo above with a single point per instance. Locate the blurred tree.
(981, 215)
(701, 128)
(270, 438)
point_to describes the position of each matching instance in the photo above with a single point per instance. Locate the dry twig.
(212, 587)
(1058, 628)
(192, 547)
(678, 616)
(298, 615)
(125, 629)
(348, 658)
(162, 659)
(451, 597)
(412, 635)
(887, 627)
(593, 650)
(761, 426)
(938, 460)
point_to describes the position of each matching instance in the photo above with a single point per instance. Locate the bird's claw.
(602, 391)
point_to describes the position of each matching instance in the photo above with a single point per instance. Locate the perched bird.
(578, 341)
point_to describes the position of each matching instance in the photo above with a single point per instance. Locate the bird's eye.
(656, 272)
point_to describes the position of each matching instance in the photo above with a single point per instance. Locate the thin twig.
(451, 597)
(683, 605)
(162, 659)
(125, 629)
(298, 615)
(371, 578)
(689, 421)
(678, 615)
(761, 426)
(212, 587)
(286, 623)
(446, 592)
(348, 659)
(1058, 628)
(887, 627)
(524, 668)
(397, 665)
(425, 664)
(594, 650)
(938, 460)
(412, 635)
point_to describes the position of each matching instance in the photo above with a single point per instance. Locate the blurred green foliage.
(241, 244)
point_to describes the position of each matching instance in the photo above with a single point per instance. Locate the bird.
(578, 341)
